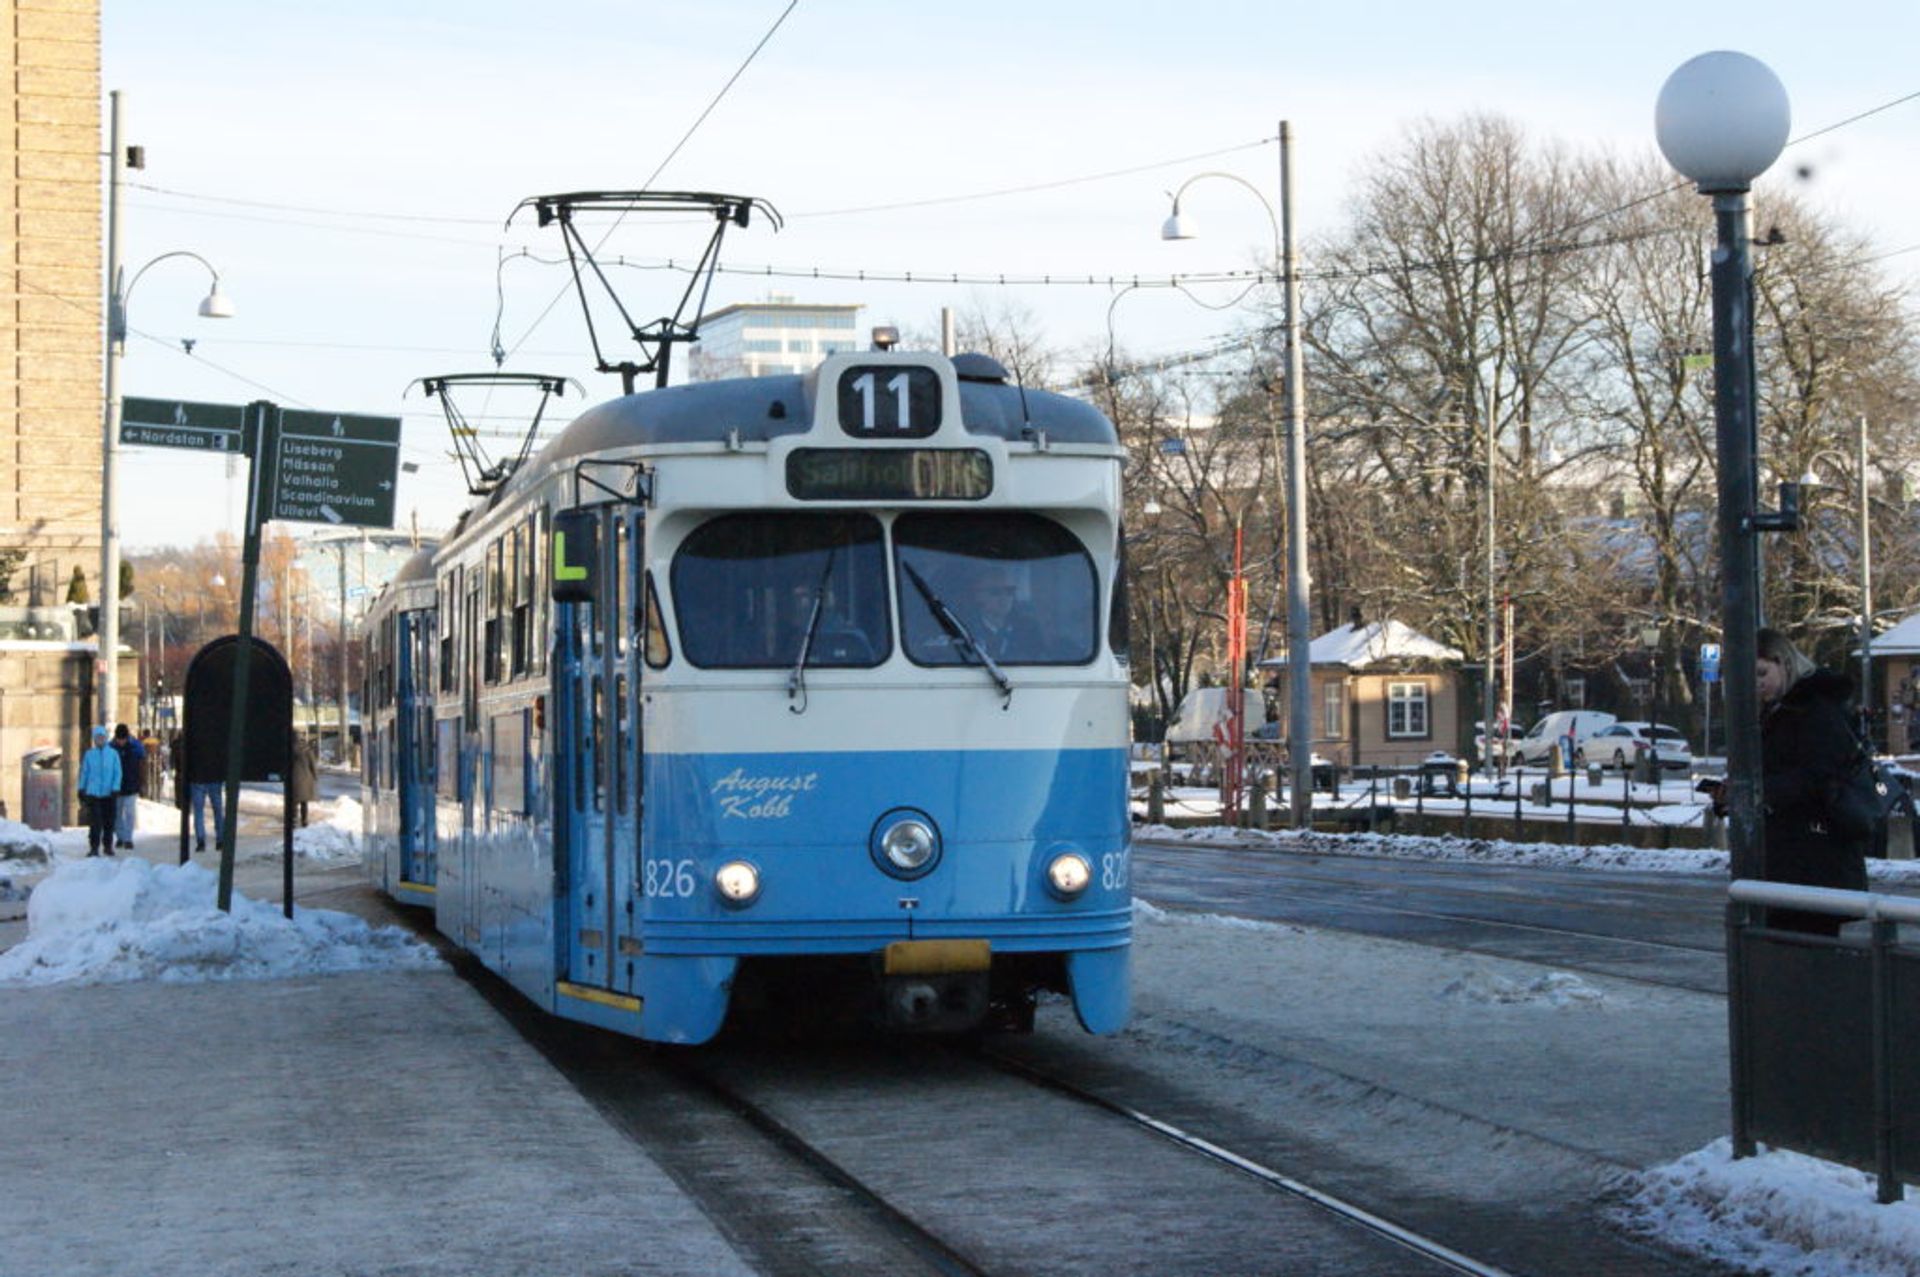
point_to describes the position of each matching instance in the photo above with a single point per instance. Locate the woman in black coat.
(1807, 750)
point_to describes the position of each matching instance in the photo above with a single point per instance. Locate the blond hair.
(1777, 647)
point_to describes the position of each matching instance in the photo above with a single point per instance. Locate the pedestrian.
(99, 792)
(133, 757)
(1808, 750)
(155, 765)
(303, 775)
(201, 794)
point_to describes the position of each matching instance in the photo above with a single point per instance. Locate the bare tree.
(1445, 352)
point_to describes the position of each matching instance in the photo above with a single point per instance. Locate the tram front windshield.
(756, 591)
(751, 590)
(1016, 587)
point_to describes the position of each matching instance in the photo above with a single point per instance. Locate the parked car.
(1545, 736)
(1622, 744)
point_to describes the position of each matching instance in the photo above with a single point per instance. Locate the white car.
(1545, 736)
(1623, 743)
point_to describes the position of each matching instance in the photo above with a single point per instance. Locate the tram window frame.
(492, 644)
(449, 609)
(622, 561)
(951, 550)
(507, 753)
(389, 640)
(742, 585)
(446, 737)
(658, 647)
(522, 597)
(622, 757)
(542, 603)
(470, 645)
(597, 729)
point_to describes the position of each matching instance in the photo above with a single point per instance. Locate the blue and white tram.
(397, 714)
(777, 692)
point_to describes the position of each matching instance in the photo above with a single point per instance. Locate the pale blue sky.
(452, 112)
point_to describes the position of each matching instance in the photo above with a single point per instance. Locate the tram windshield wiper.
(797, 679)
(958, 630)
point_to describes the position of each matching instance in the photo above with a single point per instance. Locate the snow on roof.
(1358, 646)
(1902, 639)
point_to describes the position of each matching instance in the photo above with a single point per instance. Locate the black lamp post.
(1721, 121)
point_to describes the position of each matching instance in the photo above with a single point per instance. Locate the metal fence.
(1825, 1030)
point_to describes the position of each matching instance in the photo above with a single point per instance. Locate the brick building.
(51, 336)
(51, 331)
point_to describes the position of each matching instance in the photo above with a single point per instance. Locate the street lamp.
(214, 306)
(1299, 661)
(1721, 120)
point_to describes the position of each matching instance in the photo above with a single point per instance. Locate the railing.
(1824, 1031)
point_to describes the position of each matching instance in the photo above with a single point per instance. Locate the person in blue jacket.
(100, 792)
(133, 757)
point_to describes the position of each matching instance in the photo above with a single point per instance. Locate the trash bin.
(1440, 776)
(43, 791)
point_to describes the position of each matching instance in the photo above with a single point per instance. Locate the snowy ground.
(126, 919)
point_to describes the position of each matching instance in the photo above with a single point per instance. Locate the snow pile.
(1143, 911)
(23, 849)
(1556, 988)
(110, 920)
(1779, 1212)
(336, 838)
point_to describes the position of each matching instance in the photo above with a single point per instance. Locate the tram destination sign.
(178, 423)
(332, 467)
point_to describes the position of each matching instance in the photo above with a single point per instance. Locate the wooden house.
(1383, 695)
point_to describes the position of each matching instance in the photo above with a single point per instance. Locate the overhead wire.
(660, 168)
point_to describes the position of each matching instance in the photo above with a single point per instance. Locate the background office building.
(779, 336)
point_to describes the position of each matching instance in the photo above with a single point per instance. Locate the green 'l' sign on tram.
(332, 467)
(178, 423)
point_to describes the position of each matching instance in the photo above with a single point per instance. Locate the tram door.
(597, 696)
(414, 743)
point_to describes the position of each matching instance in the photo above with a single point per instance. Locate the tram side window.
(1120, 611)
(1021, 585)
(490, 652)
(542, 623)
(447, 755)
(449, 609)
(659, 652)
(509, 753)
(616, 614)
(470, 645)
(746, 587)
(522, 597)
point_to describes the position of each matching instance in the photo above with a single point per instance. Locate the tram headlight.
(905, 843)
(737, 882)
(1069, 874)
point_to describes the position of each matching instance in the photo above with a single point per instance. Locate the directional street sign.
(174, 423)
(331, 467)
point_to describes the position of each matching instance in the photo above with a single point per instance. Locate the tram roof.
(758, 409)
(418, 567)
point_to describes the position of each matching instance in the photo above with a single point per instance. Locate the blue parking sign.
(1709, 662)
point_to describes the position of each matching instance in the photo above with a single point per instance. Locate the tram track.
(1450, 1259)
(796, 1205)
(757, 1133)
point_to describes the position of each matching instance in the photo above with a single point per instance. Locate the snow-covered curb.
(1778, 1212)
(1494, 851)
(106, 921)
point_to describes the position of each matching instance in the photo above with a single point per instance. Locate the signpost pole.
(260, 441)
